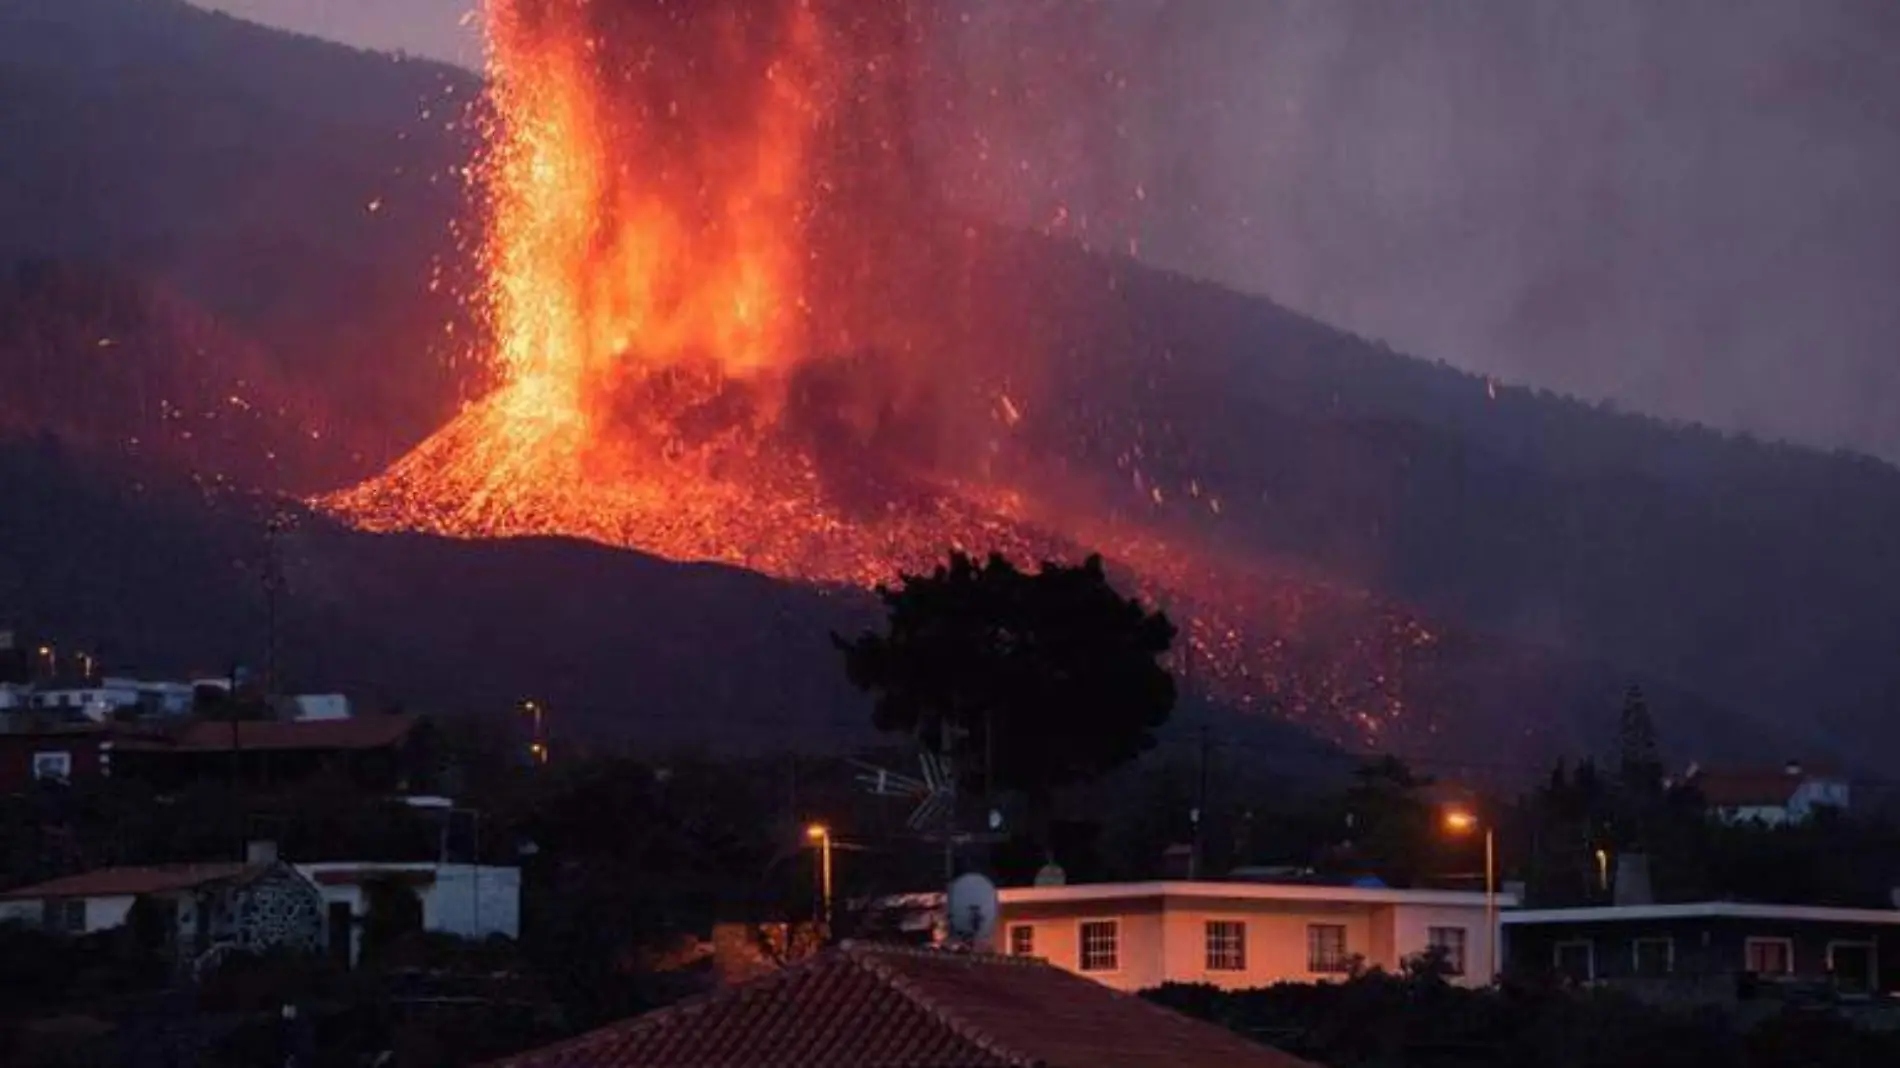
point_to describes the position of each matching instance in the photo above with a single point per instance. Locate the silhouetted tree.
(1639, 775)
(1390, 828)
(1032, 681)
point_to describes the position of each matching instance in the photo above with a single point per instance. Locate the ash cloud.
(1691, 208)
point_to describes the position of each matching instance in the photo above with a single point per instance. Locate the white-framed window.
(1768, 956)
(1226, 946)
(53, 764)
(1451, 942)
(1022, 940)
(64, 915)
(1651, 957)
(1326, 948)
(1575, 960)
(1099, 945)
(1853, 965)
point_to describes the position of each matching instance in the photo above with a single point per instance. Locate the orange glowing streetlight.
(820, 835)
(538, 742)
(1464, 821)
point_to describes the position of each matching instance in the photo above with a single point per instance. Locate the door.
(342, 930)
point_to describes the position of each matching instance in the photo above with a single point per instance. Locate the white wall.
(1411, 933)
(1813, 792)
(1168, 943)
(102, 913)
(464, 899)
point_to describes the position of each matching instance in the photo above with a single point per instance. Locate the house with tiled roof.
(200, 910)
(1772, 796)
(869, 1006)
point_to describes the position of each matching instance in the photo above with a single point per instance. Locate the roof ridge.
(865, 955)
(692, 1006)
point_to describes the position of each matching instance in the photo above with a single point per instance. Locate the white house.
(98, 699)
(1238, 935)
(203, 910)
(467, 900)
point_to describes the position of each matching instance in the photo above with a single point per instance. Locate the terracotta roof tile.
(117, 882)
(891, 1007)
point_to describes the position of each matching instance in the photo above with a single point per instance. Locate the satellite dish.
(972, 909)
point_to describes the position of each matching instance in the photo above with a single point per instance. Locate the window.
(56, 765)
(1769, 956)
(1022, 940)
(1326, 948)
(1852, 966)
(64, 915)
(1653, 956)
(1449, 941)
(1226, 946)
(1576, 961)
(1100, 946)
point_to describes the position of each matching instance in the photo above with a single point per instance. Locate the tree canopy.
(1030, 680)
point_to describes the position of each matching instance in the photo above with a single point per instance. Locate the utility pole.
(273, 580)
(1200, 810)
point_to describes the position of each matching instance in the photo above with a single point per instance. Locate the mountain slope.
(1563, 549)
(237, 165)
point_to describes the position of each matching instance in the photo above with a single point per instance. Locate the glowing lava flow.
(689, 215)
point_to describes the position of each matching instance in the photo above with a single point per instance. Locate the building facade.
(199, 912)
(1235, 935)
(1709, 951)
(466, 900)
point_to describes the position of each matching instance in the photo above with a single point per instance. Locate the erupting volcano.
(677, 200)
(728, 325)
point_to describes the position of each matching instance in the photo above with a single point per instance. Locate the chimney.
(1793, 769)
(1632, 881)
(257, 854)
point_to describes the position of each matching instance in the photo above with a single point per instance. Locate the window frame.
(1082, 946)
(1873, 958)
(1669, 955)
(62, 757)
(1463, 962)
(1316, 966)
(1590, 956)
(57, 913)
(1238, 930)
(1750, 942)
(1029, 948)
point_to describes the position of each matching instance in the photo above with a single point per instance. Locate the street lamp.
(820, 835)
(1460, 821)
(538, 744)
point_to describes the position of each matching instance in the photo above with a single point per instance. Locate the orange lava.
(666, 274)
(647, 290)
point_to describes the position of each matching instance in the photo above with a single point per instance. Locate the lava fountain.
(726, 328)
(681, 198)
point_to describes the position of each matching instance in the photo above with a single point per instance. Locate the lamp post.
(1459, 821)
(820, 835)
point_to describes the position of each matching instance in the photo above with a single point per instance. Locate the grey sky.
(1691, 207)
(421, 27)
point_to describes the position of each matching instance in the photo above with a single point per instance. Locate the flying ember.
(729, 326)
